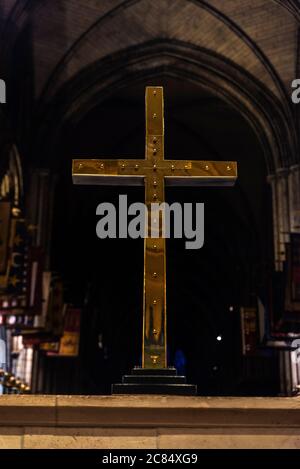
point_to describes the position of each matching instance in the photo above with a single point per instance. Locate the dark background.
(205, 288)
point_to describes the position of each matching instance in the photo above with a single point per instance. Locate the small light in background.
(11, 320)
(231, 308)
(219, 338)
(100, 341)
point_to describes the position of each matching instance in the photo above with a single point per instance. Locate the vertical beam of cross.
(154, 314)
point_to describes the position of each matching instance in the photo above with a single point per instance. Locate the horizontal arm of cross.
(133, 171)
(109, 171)
(199, 173)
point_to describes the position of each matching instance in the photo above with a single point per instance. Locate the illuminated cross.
(154, 172)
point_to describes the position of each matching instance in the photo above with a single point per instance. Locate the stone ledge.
(148, 411)
(27, 410)
(116, 422)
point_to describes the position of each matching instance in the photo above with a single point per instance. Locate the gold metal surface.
(154, 172)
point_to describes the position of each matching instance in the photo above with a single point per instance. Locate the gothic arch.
(260, 107)
(81, 50)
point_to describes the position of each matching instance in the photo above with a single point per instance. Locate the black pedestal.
(154, 381)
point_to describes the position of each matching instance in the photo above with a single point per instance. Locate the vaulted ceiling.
(58, 40)
(261, 36)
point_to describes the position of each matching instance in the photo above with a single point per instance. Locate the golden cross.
(154, 171)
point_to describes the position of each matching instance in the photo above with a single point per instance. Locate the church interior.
(71, 304)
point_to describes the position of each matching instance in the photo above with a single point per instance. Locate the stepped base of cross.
(154, 381)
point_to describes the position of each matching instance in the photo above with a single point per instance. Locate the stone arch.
(292, 6)
(221, 34)
(260, 107)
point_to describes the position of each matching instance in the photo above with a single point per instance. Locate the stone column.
(281, 214)
(40, 208)
(294, 198)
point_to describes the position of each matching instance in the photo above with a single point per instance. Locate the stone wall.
(148, 422)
